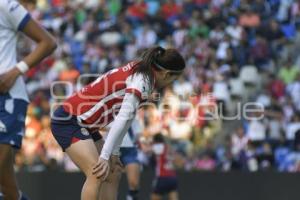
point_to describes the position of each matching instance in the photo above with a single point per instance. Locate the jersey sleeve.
(138, 85)
(15, 14)
(120, 126)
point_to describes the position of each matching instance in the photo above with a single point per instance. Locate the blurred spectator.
(239, 142)
(221, 93)
(249, 19)
(181, 133)
(276, 87)
(205, 163)
(260, 51)
(292, 127)
(256, 131)
(146, 37)
(183, 88)
(288, 73)
(293, 90)
(265, 157)
(137, 12)
(170, 10)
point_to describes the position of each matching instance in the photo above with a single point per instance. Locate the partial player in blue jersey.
(15, 19)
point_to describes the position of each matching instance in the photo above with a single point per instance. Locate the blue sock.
(132, 195)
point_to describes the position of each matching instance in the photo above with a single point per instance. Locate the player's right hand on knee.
(101, 169)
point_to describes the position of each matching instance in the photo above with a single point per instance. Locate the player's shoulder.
(9, 5)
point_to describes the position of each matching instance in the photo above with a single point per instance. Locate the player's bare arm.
(45, 46)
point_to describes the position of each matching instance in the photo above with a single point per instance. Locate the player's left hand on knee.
(101, 169)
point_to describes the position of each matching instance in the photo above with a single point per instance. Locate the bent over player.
(113, 97)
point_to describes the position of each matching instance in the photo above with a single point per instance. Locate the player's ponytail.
(148, 60)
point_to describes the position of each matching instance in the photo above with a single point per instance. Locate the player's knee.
(114, 178)
(133, 184)
(93, 180)
(133, 181)
(5, 153)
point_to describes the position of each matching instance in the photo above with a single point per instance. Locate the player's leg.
(109, 188)
(132, 167)
(8, 183)
(7, 176)
(80, 147)
(172, 188)
(173, 195)
(158, 189)
(84, 154)
(155, 196)
(133, 177)
(12, 123)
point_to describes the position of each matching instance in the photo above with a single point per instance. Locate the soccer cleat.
(23, 197)
(132, 195)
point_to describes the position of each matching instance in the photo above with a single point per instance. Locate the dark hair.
(168, 59)
(158, 138)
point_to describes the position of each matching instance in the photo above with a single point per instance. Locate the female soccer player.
(114, 96)
(165, 182)
(14, 18)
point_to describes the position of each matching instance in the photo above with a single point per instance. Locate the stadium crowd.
(237, 51)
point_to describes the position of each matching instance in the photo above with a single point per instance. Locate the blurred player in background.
(113, 97)
(129, 158)
(165, 182)
(14, 18)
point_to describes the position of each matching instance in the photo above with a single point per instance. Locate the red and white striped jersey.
(97, 103)
(164, 161)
